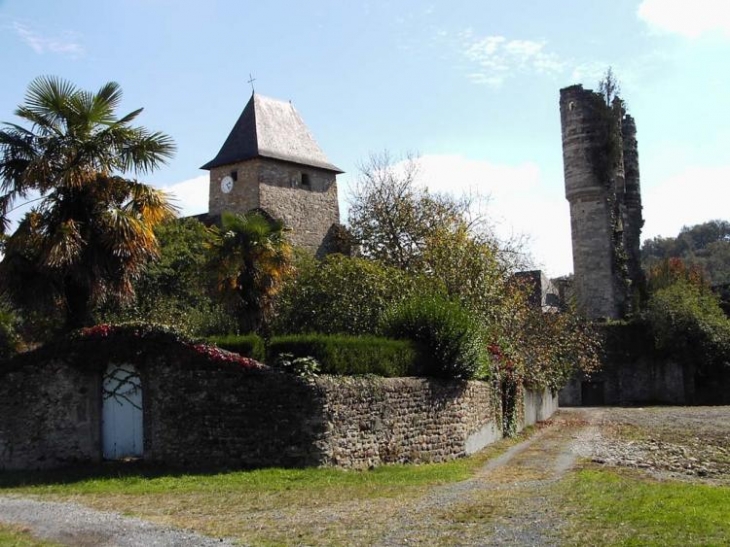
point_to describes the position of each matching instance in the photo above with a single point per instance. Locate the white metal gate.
(121, 414)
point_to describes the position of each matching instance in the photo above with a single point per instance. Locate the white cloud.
(693, 196)
(493, 59)
(689, 18)
(190, 196)
(514, 199)
(67, 44)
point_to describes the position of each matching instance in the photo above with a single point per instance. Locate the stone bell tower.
(601, 168)
(271, 162)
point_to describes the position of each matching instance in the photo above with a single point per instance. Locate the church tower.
(271, 162)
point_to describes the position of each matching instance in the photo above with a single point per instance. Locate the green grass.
(134, 480)
(16, 536)
(622, 508)
(319, 506)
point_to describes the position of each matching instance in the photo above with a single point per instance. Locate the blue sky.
(471, 86)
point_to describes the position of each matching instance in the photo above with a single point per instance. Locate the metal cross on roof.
(251, 80)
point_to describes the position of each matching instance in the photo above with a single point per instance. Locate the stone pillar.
(590, 190)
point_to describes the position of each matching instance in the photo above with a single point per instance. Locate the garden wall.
(538, 405)
(370, 421)
(209, 409)
(635, 374)
(49, 416)
(647, 381)
(643, 381)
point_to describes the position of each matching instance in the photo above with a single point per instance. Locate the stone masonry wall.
(245, 193)
(305, 198)
(201, 412)
(225, 417)
(644, 381)
(49, 416)
(372, 421)
(633, 219)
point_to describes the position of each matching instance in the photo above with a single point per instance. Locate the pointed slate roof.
(270, 128)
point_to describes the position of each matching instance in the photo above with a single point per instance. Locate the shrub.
(339, 295)
(9, 339)
(347, 355)
(448, 333)
(688, 323)
(247, 345)
(300, 366)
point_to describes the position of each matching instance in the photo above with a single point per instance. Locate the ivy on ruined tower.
(601, 167)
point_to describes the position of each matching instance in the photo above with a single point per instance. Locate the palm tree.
(91, 231)
(251, 258)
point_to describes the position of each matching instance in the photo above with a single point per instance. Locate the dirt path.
(507, 503)
(73, 524)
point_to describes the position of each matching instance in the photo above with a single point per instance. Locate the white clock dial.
(226, 184)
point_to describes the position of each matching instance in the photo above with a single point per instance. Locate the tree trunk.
(78, 308)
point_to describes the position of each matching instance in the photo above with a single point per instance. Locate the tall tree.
(250, 257)
(91, 231)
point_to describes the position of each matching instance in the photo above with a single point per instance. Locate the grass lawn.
(606, 507)
(319, 506)
(16, 536)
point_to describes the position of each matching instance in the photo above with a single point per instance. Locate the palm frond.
(129, 117)
(47, 96)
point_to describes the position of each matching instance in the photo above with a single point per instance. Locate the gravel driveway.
(73, 524)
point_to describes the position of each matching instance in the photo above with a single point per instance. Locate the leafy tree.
(609, 87)
(685, 316)
(250, 258)
(435, 236)
(705, 245)
(340, 295)
(175, 289)
(392, 218)
(92, 230)
(688, 323)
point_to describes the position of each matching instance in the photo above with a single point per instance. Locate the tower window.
(305, 180)
(234, 174)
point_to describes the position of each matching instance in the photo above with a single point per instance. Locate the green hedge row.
(248, 345)
(336, 354)
(349, 355)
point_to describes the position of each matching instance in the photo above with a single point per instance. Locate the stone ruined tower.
(600, 161)
(633, 219)
(271, 162)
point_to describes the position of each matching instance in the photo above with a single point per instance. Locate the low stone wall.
(206, 412)
(371, 421)
(635, 374)
(647, 381)
(49, 416)
(644, 381)
(539, 405)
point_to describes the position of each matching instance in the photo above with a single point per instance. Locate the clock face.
(226, 184)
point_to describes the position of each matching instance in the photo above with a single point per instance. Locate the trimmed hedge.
(349, 355)
(247, 345)
(446, 330)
